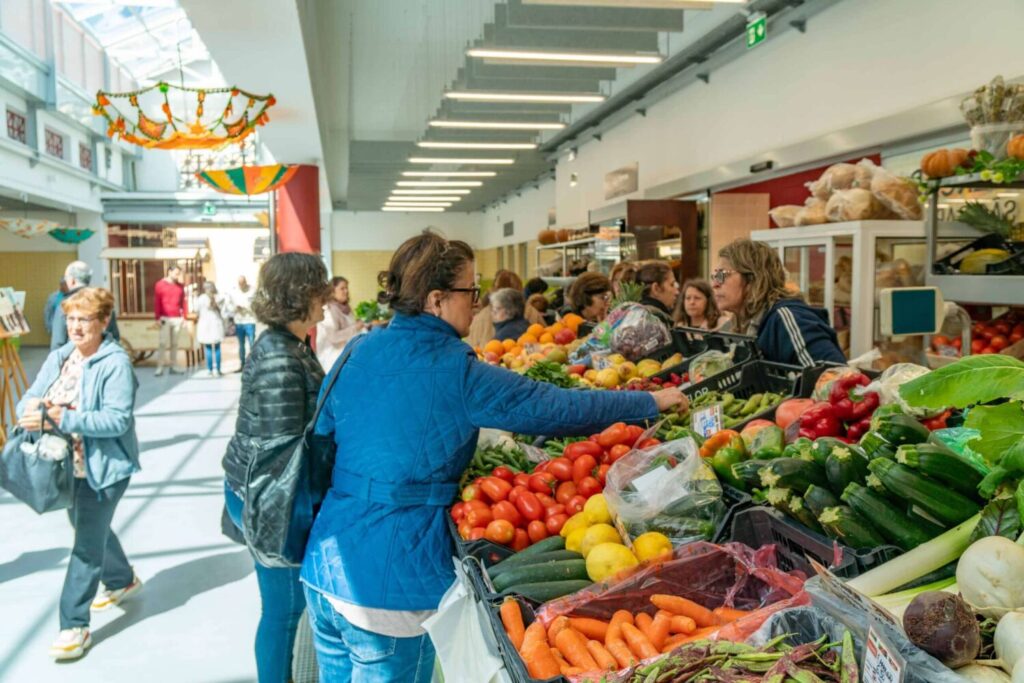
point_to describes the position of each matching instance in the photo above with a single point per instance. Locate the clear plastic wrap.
(630, 329)
(835, 177)
(823, 386)
(856, 204)
(898, 195)
(888, 387)
(813, 213)
(785, 216)
(708, 364)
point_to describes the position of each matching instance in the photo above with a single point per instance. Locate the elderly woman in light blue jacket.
(87, 387)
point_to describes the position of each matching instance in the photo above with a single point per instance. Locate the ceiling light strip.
(455, 160)
(498, 96)
(409, 209)
(426, 144)
(586, 58)
(420, 206)
(497, 125)
(439, 183)
(422, 198)
(449, 174)
(450, 190)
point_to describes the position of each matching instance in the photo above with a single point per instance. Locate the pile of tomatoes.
(987, 337)
(518, 510)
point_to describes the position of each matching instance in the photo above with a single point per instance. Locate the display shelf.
(974, 180)
(588, 245)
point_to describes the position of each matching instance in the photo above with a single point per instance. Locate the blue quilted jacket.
(405, 413)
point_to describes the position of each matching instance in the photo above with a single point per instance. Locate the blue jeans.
(282, 602)
(345, 652)
(212, 351)
(244, 331)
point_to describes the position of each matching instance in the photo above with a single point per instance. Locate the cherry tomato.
(647, 443)
(589, 486)
(999, 342)
(513, 495)
(555, 523)
(561, 468)
(503, 472)
(521, 540)
(556, 509)
(477, 533)
(464, 529)
(613, 435)
(543, 482)
(546, 500)
(500, 531)
(575, 504)
(529, 507)
(496, 489)
(632, 434)
(565, 491)
(602, 474)
(977, 345)
(471, 492)
(479, 518)
(507, 511)
(537, 531)
(458, 512)
(521, 479)
(583, 466)
(578, 448)
(617, 451)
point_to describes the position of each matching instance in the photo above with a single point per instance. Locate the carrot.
(623, 655)
(557, 654)
(638, 642)
(600, 653)
(687, 608)
(591, 628)
(724, 615)
(643, 621)
(615, 625)
(573, 646)
(512, 620)
(701, 633)
(572, 671)
(659, 629)
(540, 663)
(672, 642)
(534, 634)
(557, 625)
(681, 624)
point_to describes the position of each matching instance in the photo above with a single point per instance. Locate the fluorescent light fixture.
(417, 198)
(439, 183)
(460, 160)
(449, 174)
(450, 190)
(638, 4)
(418, 205)
(498, 125)
(575, 58)
(541, 97)
(476, 145)
(410, 209)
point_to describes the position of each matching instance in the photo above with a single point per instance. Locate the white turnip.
(1009, 643)
(944, 626)
(991, 576)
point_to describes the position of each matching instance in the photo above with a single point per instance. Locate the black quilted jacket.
(280, 384)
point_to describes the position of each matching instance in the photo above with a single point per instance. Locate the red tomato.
(583, 466)
(575, 504)
(632, 434)
(1016, 337)
(555, 523)
(541, 467)
(578, 448)
(977, 345)
(565, 491)
(471, 492)
(594, 438)
(589, 486)
(546, 500)
(529, 507)
(1018, 329)
(648, 442)
(513, 496)
(999, 342)
(503, 472)
(958, 343)
(556, 509)
(477, 505)
(496, 489)
(561, 468)
(617, 451)
(537, 531)
(612, 435)
(464, 529)
(507, 511)
(477, 533)
(479, 518)
(602, 474)
(543, 482)
(458, 512)
(500, 531)
(941, 340)
(521, 540)
(988, 350)
(521, 479)
(1002, 328)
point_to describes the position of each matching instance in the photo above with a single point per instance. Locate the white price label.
(882, 664)
(647, 481)
(707, 421)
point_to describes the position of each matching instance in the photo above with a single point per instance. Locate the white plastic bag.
(888, 387)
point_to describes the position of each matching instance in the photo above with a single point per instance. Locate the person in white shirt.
(210, 326)
(338, 326)
(240, 301)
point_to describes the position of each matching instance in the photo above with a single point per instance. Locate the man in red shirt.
(169, 307)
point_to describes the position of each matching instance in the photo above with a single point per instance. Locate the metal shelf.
(980, 289)
(974, 180)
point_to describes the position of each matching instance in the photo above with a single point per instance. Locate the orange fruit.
(535, 330)
(557, 327)
(508, 344)
(516, 350)
(572, 321)
(494, 346)
(547, 338)
(526, 339)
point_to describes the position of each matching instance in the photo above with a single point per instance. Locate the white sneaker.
(71, 643)
(159, 371)
(109, 598)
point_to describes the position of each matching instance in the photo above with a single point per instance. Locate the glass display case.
(606, 247)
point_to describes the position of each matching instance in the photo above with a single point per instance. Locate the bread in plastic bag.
(811, 214)
(897, 194)
(835, 177)
(785, 216)
(856, 204)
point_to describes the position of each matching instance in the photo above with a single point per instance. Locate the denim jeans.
(97, 554)
(244, 331)
(345, 652)
(282, 602)
(212, 356)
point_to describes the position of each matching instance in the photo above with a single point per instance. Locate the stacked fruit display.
(554, 343)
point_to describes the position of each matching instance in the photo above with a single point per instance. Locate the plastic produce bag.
(897, 194)
(823, 387)
(785, 216)
(888, 387)
(856, 204)
(667, 488)
(709, 364)
(811, 214)
(957, 440)
(630, 329)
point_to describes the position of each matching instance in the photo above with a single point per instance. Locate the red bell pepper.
(858, 429)
(842, 397)
(937, 422)
(820, 420)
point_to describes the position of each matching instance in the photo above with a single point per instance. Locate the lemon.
(608, 378)
(598, 534)
(596, 510)
(608, 559)
(577, 521)
(651, 545)
(575, 540)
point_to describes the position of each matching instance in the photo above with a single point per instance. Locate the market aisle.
(196, 615)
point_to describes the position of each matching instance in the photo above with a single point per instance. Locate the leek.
(925, 558)
(897, 603)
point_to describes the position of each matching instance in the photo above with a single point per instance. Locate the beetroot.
(944, 626)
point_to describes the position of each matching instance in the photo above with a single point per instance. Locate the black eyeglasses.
(474, 290)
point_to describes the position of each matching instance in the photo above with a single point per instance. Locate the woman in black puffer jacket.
(280, 384)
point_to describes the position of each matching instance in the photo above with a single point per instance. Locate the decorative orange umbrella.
(248, 179)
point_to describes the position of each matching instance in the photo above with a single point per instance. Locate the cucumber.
(843, 467)
(942, 464)
(884, 516)
(901, 429)
(547, 545)
(843, 524)
(559, 570)
(818, 498)
(547, 590)
(793, 473)
(803, 514)
(519, 560)
(876, 446)
(946, 506)
(748, 473)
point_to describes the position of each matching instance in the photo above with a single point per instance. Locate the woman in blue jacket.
(405, 414)
(750, 283)
(87, 386)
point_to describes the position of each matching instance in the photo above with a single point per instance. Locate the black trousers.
(97, 554)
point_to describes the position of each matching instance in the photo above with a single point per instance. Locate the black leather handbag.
(37, 468)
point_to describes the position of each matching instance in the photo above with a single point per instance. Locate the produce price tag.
(707, 421)
(838, 588)
(882, 664)
(645, 482)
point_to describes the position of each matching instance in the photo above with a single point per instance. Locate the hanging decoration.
(248, 179)
(27, 227)
(185, 125)
(71, 235)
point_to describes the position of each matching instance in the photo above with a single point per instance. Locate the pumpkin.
(943, 162)
(1015, 147)
(563, 235)
(547, 237)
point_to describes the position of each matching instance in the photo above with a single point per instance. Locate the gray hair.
(209, 287)
(79, 271)
(509, 301)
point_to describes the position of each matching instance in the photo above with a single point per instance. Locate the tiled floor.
(196, 616)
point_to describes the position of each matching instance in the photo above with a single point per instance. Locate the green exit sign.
(757, 29)
(209, 209)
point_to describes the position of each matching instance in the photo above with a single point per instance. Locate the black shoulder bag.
(37, 470)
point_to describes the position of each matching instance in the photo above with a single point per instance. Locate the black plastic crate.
(691, 342)
(1012, 265)
(757, 526)
(514, 665)
(735, 501)
(481, 557)
(751, 378)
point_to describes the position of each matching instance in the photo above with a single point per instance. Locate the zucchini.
(793, 473)
(901, 429)
(877, 446)
(827, 445)
(843, 467)
(518, 560)
(818, 498)
(801, 446)
(942, 464)
(779, 498)
(946, 506)
(547, 590)
(748, 473)
(875, 484)
(559, 570)
(802, 513)
(843, 524)
(924, 520)
(946, 572)
(886, 517)
(547, 545)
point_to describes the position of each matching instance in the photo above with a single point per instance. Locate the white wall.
(379, 230)
(528, 212)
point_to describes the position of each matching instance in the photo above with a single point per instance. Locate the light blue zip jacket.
(105, 416)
